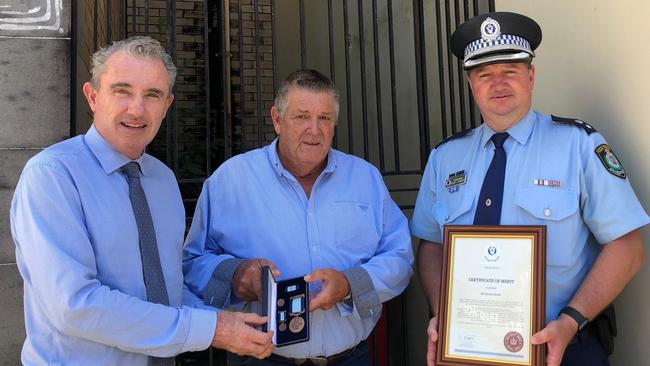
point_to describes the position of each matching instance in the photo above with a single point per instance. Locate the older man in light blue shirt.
(92, 295)
(304, 209)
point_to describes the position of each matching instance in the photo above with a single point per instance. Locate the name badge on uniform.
(455, 180)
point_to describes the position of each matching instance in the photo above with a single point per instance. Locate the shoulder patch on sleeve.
(576, 122)
(454, 136)
(610, 161)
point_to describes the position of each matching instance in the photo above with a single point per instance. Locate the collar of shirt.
(109, 158)
(332, 163)
(520, 131)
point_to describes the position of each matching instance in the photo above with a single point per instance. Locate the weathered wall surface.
(35, 110)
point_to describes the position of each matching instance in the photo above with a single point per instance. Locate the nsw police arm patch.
(610, 161)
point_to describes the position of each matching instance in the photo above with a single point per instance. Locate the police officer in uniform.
(523, 167)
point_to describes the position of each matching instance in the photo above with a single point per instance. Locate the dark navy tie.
(154, 281)
(488, 210)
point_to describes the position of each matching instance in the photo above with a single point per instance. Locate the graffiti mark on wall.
(18, 15)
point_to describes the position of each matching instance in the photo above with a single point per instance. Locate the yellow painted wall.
(593, 64)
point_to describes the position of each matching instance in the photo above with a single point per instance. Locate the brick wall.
(190, 83)
(252, 73)
(249, 109)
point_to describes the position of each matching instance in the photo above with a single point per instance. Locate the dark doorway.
(401, 92)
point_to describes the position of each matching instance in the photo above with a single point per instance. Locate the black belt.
(588, 331)
(316, 361)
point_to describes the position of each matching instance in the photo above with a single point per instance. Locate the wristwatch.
(575, 315)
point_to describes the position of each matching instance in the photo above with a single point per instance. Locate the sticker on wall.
(30, 15)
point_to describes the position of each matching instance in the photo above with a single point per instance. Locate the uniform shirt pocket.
(446, 214)
(552, 204)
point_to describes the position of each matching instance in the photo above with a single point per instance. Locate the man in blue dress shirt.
(76, 234)
(302, 208)
(558, 172)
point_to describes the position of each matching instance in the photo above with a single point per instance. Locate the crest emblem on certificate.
(513, 341)
(492, 252)
(610, 161)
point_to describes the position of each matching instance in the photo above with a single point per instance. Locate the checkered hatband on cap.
(505, 42)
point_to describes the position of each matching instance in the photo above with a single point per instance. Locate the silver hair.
(138, 46)
(305, 79)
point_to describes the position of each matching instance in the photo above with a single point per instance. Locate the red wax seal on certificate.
(513, 341)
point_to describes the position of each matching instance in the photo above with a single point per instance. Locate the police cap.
(496, 37)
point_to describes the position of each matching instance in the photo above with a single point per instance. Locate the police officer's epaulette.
(454, 136)
(576, 122)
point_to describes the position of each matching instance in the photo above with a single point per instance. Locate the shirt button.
(488, 202)
(446, 218)
(547, 212)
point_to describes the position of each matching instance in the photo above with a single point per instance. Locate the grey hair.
(305, 79)
(138, 46)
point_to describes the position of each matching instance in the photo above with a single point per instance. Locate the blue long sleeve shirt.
(78, 253)
(252, 207)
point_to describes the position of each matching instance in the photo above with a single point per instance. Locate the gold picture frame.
(493, 295)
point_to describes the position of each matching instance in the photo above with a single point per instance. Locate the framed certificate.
(493, 295)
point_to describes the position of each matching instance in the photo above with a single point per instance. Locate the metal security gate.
(401, 91)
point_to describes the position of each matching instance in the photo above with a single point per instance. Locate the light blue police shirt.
(77, 250)
(585, 205)
(251, 207)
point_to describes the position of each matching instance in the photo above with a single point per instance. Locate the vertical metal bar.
(391, 47)
(109, 31)
(330, 32)
(240, 39)
(124, 24)
(95, 16)
(380, 124)
(348, 40)
(258, 86)
(123, 17)
(491, 5)
(73, 67)
(461, 80)
(450, 63)
(275, 72)
(421, 80)
(134, 10)
(441, 71)
(472, 109)
(364, 98)
(208, 96)
(375, 360)
(172, 118)
(405, 339)
(303, 41)
(224, 19)
(146, 17)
